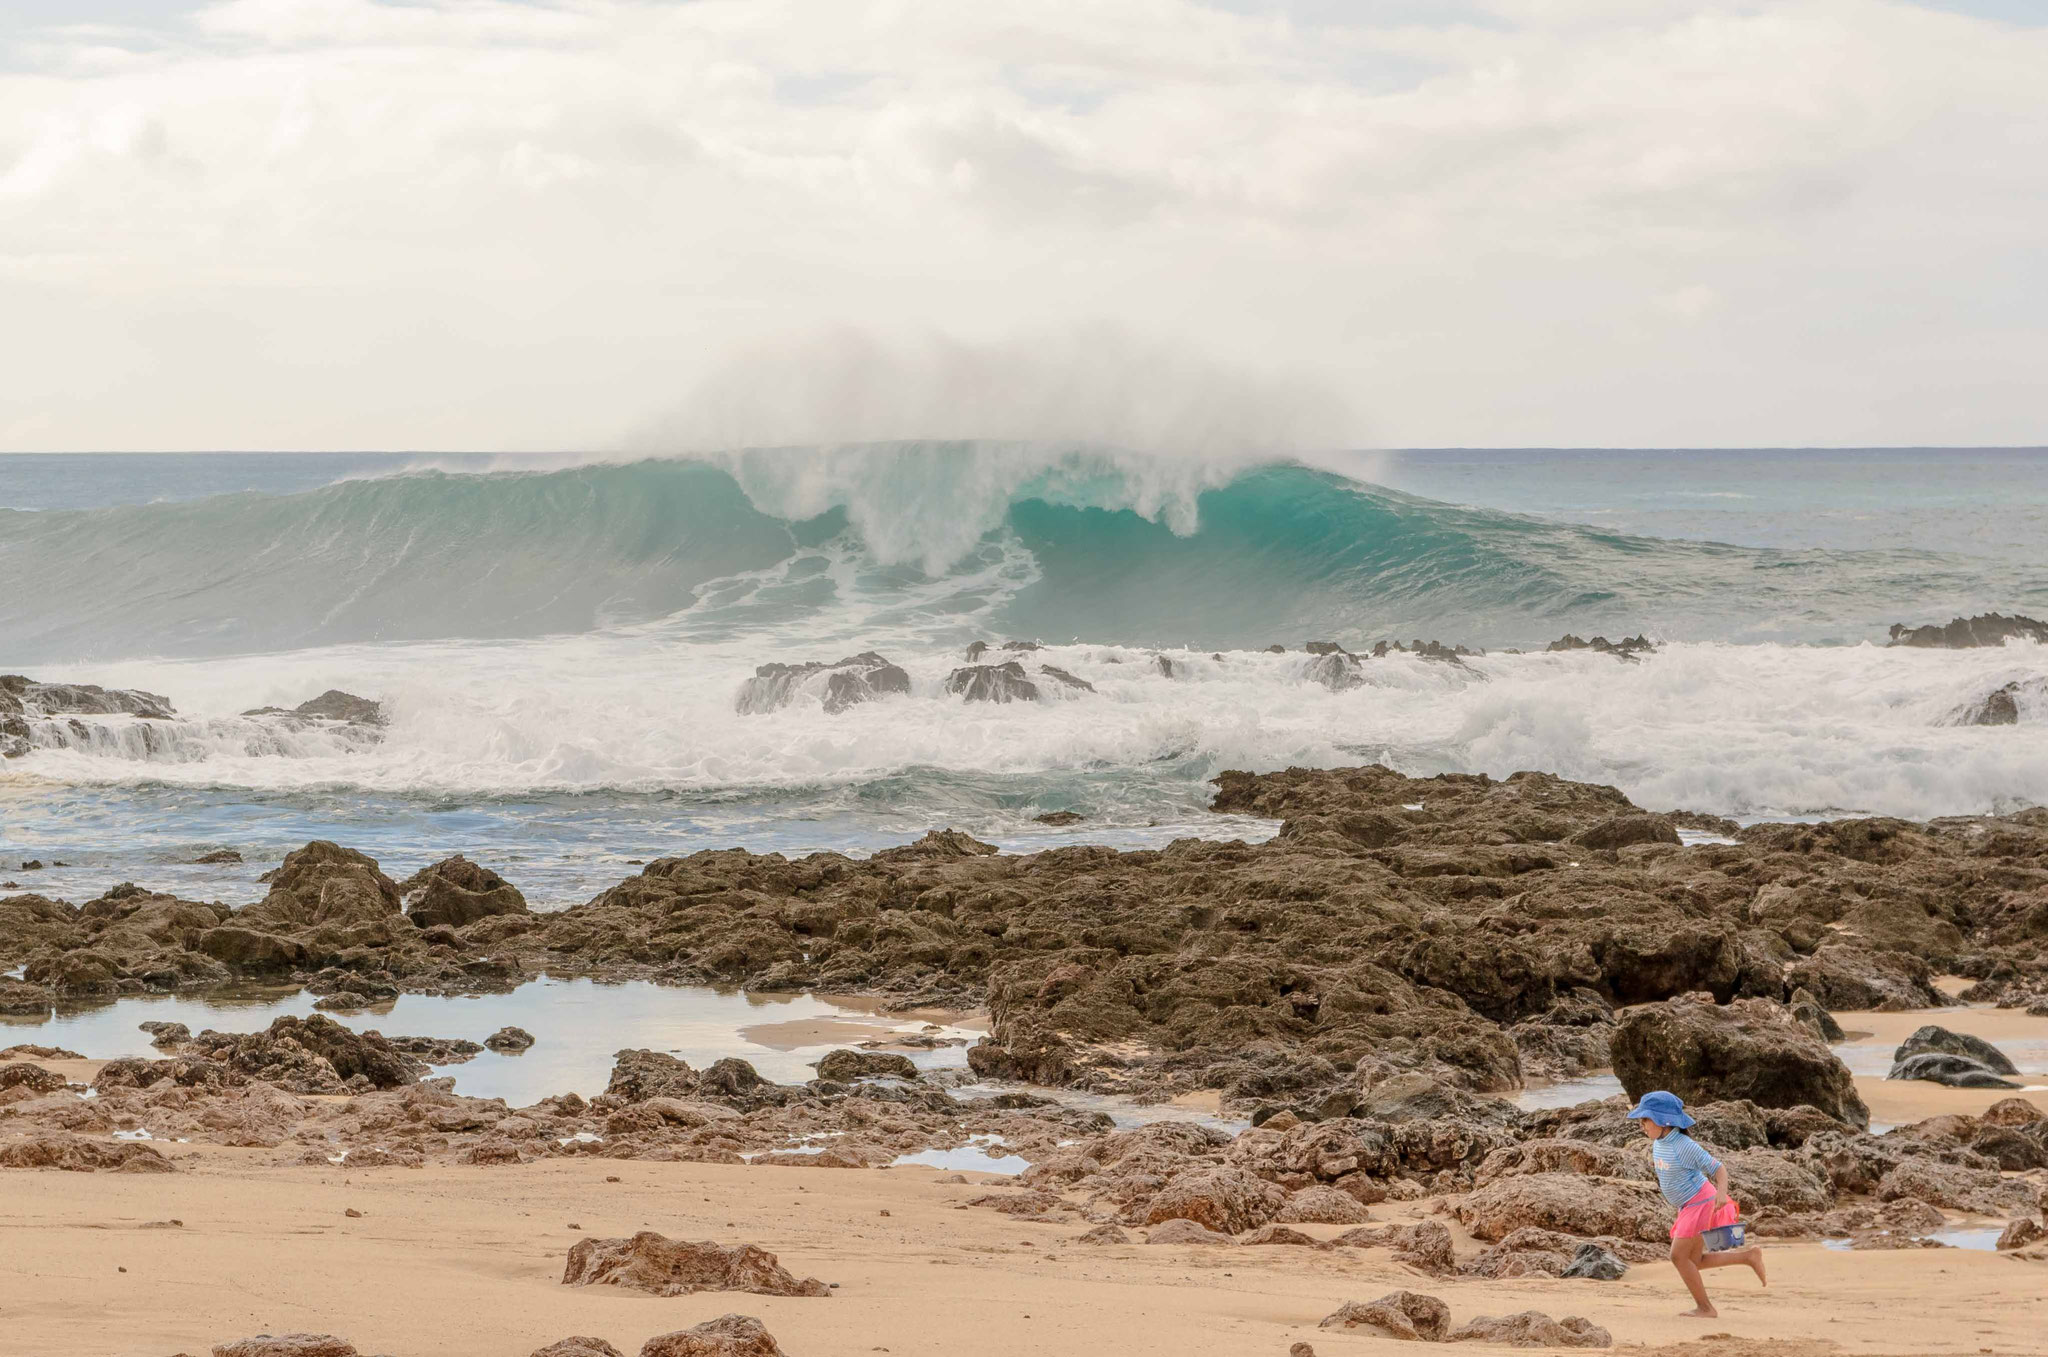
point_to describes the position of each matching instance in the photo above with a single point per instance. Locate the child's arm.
(1720, 1186)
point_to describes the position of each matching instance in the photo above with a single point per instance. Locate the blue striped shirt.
(1683, 1166)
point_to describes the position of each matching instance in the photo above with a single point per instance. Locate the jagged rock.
(1399, 1314)
(1338, 670)
(726, 1336)
(21, 999)
(288, 1345)
(1999, 707)
(1752, 1050)
(32, 1077)
(78, 1154)
(1933, 1038)
(249, 949)
(853, 680)
(509, 1039)
(1532, 1329)
(1985, 629)
(1067, 682)
(1956, 1187)
(332, 705)
(992, 683)
(1567, 1203)
(309, 1055)
(578, 1347)
(2020, 1232)
(457, 892)
(24, 697)
(1227, 1200)
(322, 883)
(676, 1267)
(1956, 1071)
(642, 1074)
(1595, 1264)
(34, 1052)
(1627, 649)
(843, 1067)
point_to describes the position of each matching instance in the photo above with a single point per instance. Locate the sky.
(578, 224)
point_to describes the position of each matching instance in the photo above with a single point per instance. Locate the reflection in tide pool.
(973, 1157)
(578, 1026)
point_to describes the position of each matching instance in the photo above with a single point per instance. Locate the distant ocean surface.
(559, 643)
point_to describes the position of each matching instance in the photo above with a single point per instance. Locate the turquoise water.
(559, 645)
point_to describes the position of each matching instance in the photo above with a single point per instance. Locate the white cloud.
(479, 223)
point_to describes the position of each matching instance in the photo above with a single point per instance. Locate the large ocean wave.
(941, 541)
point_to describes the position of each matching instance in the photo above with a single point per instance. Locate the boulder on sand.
(1956, 1071)
(79, 1154)
(1227, 1200)
(1750, 1049)
(726, 1336)
(1399, 1314)
(1532, 1329)
(578, 1347)
(1933, 1038)
(1568, 1203)
(288, 1345)
(677, 1267)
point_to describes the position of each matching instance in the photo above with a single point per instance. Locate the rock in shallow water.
(1956, 1071)
(1934, 1038)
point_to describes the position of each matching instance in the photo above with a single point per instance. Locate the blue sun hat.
(1663, 1108)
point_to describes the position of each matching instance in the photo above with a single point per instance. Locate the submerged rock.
(332, 705)
(1985, 629)
(1066, 681)
(1999, 707)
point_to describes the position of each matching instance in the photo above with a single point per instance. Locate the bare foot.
(1756, 1265)
(1703, 1312)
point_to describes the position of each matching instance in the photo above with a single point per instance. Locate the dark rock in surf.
(853, 680)
(1956, 1071)
(1336, 669)
(1060, 818)
(23, 701)
(1065, 680)
(1933, 1038)
(1426, 650)
(1964, 633)
(981, 648)
(332, 705)
(1165, 666)
(2000, 706)
(992, 683)
(1626, 649)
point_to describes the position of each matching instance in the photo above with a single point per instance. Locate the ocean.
(560, 643)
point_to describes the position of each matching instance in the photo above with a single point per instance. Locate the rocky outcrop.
(1752, 1050)
(322, 884)
(849, 682)
(80, 1154)
(333, 705)
(457, 892)
(1227, 1200)
(1985, 629)
(310, 1055)
(675, 1267)
(726, 1336)
(992, 683)
(510, 1040)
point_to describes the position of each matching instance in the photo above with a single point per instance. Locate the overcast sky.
(480, 224)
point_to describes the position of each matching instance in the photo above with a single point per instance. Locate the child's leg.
(1751, 1258)
(1685, 1256)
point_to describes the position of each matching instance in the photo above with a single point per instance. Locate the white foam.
(1759, 730)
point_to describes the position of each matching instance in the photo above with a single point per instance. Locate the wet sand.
(460, 1261)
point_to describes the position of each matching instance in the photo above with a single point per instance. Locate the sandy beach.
(458, 1261)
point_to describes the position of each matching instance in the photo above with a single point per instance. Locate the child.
(1683, 1166)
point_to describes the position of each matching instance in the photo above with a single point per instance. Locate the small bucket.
(1722, 1238)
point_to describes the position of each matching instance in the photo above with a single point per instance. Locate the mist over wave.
(938, 542)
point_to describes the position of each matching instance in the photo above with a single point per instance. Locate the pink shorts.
(1699, 1216)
